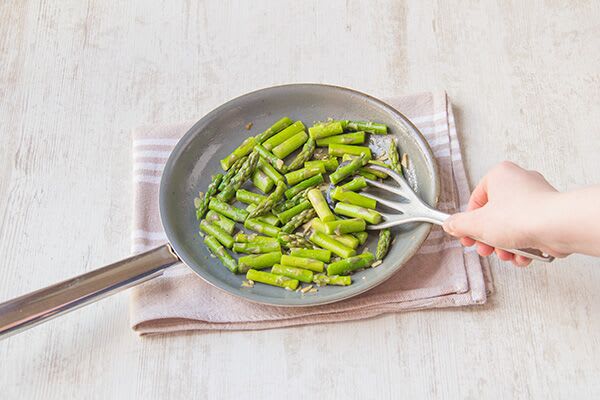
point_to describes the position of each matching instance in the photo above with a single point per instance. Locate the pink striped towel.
(442, 274)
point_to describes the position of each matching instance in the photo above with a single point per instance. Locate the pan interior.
(196, 157)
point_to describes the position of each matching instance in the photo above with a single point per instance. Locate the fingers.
(521, 261)
(484, 250)
(505, 255)
(467, 224)
(467, 241)
(479, 197)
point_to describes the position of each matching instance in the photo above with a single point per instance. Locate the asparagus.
(272, 279)
(275, 128)
(218, 250)
(329, 243)
(364, 173)
(284, 135)
(244, 149)
(350, 210)
(216, 231)
(347, 138)
(270, 171)
(256, 247)
(305, 154)
(231, 172)
(258, 261)
(323, 130)
(289, 146)
(308, 183)
(286, 215)
(361, 236)
(340, 194)
(302, 262)
(303, 275)
(294, 201)
(372, 171)
(394, 157)
(344, 267)
(210, 192)
(355, 184)
(227, 210)
(240, 178)
(271, 158)
(241, 237)
(298, 220)
(347, 240)
(322, 280)
(330, 164)
(367, 126)
(315, 196)
(267, 204)
(262, 181)
(261, 227)
(338, 150)
(248, 197)
(346, 170)
(299, 175)
(340, 226)
(221, 221)
(268, 218)
(383, 244)
(292, 240)
(317, 254)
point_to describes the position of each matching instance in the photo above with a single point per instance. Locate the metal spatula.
(413, 209)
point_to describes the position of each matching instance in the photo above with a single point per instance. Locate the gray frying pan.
(188, 171)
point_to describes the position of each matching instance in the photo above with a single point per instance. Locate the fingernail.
(449, 225)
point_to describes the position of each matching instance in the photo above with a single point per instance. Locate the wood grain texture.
(77, 76)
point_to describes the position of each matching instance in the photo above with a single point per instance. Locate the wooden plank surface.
(77, 76)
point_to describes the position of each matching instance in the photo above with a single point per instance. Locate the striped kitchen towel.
(442, 274)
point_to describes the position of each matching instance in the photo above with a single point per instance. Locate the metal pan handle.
(31, 309)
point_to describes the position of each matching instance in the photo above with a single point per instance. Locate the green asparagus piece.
(221, 221)
(267, 204)
(361, 236)
(227, 210)
(377, 162)
(347, 240)
(378, 174)
(256, 247)
(366, 174)
(286, 215)
(383, 244)
(339, 226)
(326, 242)
(340, 194)
(305, 154)
(298, 220)
(338, 150)
(308, 183)
(315, 196)
(272, 279)
(268, 218)
(271, 158)
(322, 280)
(294, 201)
(350, 210)
(245, 172)
(216, 231)
(317, 254)
(210, 192)
(248, 197)
(261, 227)
(367, 126)
(355, 184)
(394, 157)
(326, 129)
(302, 262)
(293, 240)
(346, 138)
(275, 128)
(244, 149)
(284, 135)
(289, 146)
(253, 237)
(258, 261)
(346, 170)
(303, 275)
(218, 250)
(330, 164)
(231, 172)
(344, 267)
(262, 181)
(299, 175)
(270, 171)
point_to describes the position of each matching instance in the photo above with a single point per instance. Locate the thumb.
(466, 224)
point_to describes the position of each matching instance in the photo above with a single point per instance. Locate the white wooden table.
(77, 76)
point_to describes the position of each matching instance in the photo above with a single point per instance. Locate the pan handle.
(26, 311)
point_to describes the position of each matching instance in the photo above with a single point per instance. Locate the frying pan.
(188, 170)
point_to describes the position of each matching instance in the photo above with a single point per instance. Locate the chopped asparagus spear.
(355, 184)
(394, 157)
(292, 240)
(221, 221)
(262, 181)
(275, 128)
(248, 197)
(326, 242)
(256, 247)
(268, 218)
(231, 172)
(258, 261)
(367, 126)
(350, 210)
(298, 220)
(322, 280)
(299, 175)
(286, 215)
(308, 183)
(216, 231)
(218, 250)
(227, 210)
(341, 194)
(338, 150)
(361, 236)
(271, 158)
(323, 130)
(261, 227)
(272, 279)
(245, 172)
(315, 196)
(253, 237)
(267, 204)
(302, 262)
(317, 254)
(284, 135)
(305, 154)
(345, 171)
(210, 192)
(244, 149)
(345, 266)
(303, 275)
(347, 240)
(339, 226)
(383, 244)
(330, 164)
(270, 171)
(289, 146)
(346, 138)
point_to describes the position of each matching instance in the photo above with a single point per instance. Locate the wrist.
(549, 222)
